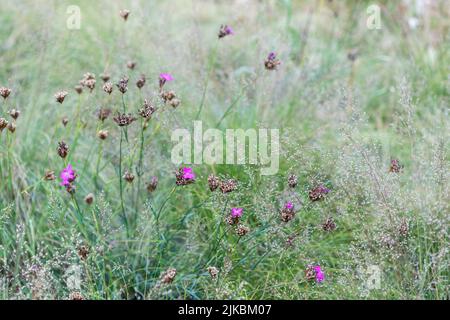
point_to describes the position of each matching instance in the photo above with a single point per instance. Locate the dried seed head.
(103, 134)
(83, 252)
(287, 212)
(123, 84)
(124, 119)
(329, 225)
(11, 127)
(175, 102)
(310, 273)
(168, 276)
(292, 181)
(403, 229)
(103, 113)
(242, 230)
(124, 14)
(89, 199)
(5, 92)
(231, 220)
(79, 88)
(228, 186)
(76, 295)
(131, 65)
(141, 81)
(168, 95)
(63, 149)
(128, 176)
(153, 184)
(395, 166)
(65, 121)
(14, 114)
(90, 84)
(213, 272)
(88, 76)
(105, 77)
(3, 124)
(108, 87)
(49, 175)
(147, 110)
(224, 31)
(271, 62)
(318, 193)
(60, 96)
(213, 182)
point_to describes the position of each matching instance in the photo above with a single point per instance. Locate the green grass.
(341, 122)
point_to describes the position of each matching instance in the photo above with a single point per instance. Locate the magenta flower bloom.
(289, 205)
(225, 30)
(165, 77)
(228, 30)
(320, 275)
(67, 176)
(271, 56)
(236, 212)
(188, 173)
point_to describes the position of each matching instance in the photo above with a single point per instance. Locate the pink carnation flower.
(67, 176)
(188, 173)
(236, 212)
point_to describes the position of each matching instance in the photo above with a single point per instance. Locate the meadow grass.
(346, 99)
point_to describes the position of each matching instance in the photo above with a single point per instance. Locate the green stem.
(124, 216)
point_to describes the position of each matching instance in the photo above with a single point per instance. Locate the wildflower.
(64, 121)
(168, 276)
(395, 167)
(228, 186)
(105, 77)
(123, 84)
(124, 14)
(403, 229)
(128, 176)
(3, 124)
(78, 89)
(131, 65)
(292, 181)
(141, 81)
(14, 113)
(63, 149)
(242, 230)
(83, 252)
(89, 199)
(318, 193)
(213, 182)
(213, 272)
(59, 96)
(175, 102)
(167, 96)
(67, 177)
(271, 62)
(288, 212)
(163, 78)
(329, 225)
(11, 127)
(90, 84)
(103, 114)
(225, 31)
(147, 110)
(49, 175)
(108, 87)
(153, 184)
(236, 212)
(5, 92)
(76, 295)
(103, 134)
(124, 119)
(185, 176)
(315, 272)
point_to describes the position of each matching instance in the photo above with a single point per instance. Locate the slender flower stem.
(124, 216)
(139, 170)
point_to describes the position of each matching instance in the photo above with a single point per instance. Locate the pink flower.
(67, 176)
(188, 173)
(320, 275)
(236, 212)
(165, 77)
(289, 205)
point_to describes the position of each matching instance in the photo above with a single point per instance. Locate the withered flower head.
(103, 134)
(123, 84)
(11, 127)
(14, 114)
(89, 199)
(153, 184)
(105, 77)
(49, 175)
(63, 149)
(175, 102)
(287, 212)
(103, 114)
(147, 110)
(128, 176)
(79, 89)
(329, 225)
(292, 181)
(168, 276)
(108, 87)
(352, 55)
(225, 31)
(141, 81)
(403, 229)
(90, 84)
(167, 95)
(184, 176)
(271, 62)
(228, 186)
(395, 166)
(213, 272)
(131, 65)
(124, 14)
(242, 230)
(3, 124)
(89, 76)
(5, 92)
(59, 96)
(123, 119)
(76, 295)
(83, 252)
(213, 182)
(65, 121)
(318, 193)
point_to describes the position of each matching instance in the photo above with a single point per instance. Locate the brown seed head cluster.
(242, 230)
(5, 92)
(123, 119)
(78, 89)
(89, 199)
(49, 175)
(228, 185)
(169, 97)
(105, 77)
(141, 81)
(395, 166)
(318, 193)
(403, 229)
(103, 134)
(108, 87)
(168, 276)
(124, 14)
(131, 65)
(128, 176)
(213, 272)
(287, 213)
(3, 124)
(64, 121)
(63, 149)
(329, 225)
(271, 62)
(122, 85)
(88, 81)
(292, 181)
(60, 96)
(14, 113)
(83, 252)
(180, 180)
(153, 184)
(147, 110)
(76, 295)
(103, 114)
(213, 182)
